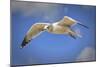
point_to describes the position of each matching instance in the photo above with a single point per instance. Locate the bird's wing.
(67, 21)
(73, 33)
(33, 32)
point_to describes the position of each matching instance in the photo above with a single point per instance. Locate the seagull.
(62, 26)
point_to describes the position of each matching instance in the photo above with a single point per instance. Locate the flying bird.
(61, 27)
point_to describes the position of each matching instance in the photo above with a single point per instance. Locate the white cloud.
(88, 54)
(36, 9)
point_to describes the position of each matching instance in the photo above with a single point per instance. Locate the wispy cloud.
(88, 54)
(44, 10)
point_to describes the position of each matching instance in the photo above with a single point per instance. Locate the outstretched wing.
(67, 21)
(33, 32)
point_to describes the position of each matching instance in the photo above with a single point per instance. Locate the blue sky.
(47, 47)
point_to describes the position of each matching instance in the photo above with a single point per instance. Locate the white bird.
(61, 27)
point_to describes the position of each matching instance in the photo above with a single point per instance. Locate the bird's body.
(57, 29)
(61, 27)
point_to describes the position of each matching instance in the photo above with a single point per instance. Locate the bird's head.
(47, 27)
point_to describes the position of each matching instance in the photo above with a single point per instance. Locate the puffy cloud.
(88, 54)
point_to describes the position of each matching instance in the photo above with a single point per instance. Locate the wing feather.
(67, 21)
(33, 32)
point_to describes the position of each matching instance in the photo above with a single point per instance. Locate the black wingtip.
(23, 43)
(83, 25)
(22, 46)
(73, 36)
